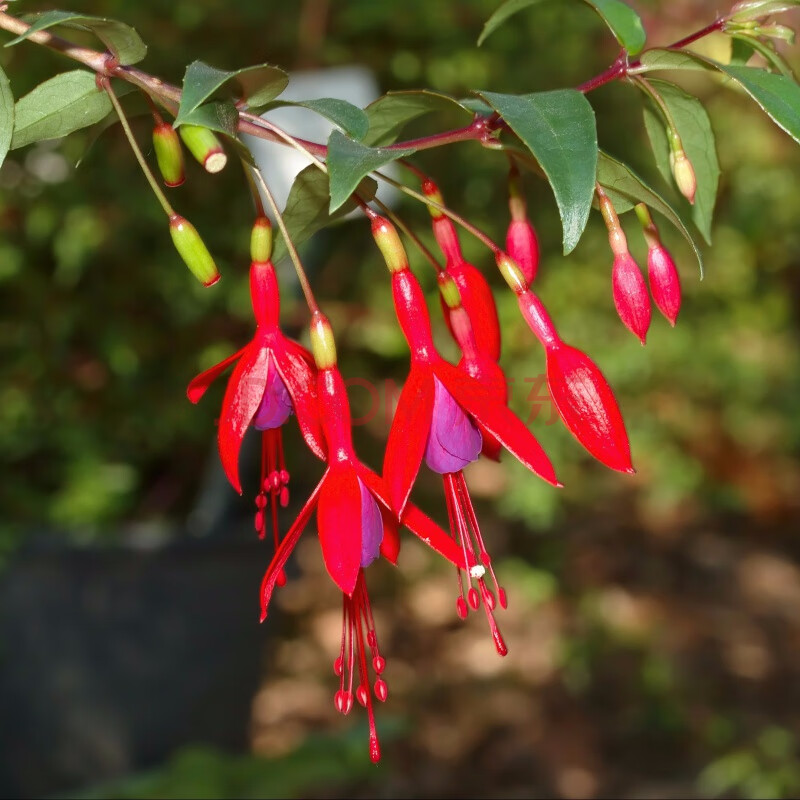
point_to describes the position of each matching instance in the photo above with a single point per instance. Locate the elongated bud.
(511, 272)
(521, 241)
(388, 241)
(630, 295)
(581, 394)
(193, 250)
(169, 154)
(587, 406)
(665, 284)
(523, 246)
(323, 345)
(204, 145)
(431, 191)
(261, 240)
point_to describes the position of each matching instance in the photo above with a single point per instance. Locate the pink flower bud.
(523, 246)
(588, 406)
(630, 295)
(665, 284)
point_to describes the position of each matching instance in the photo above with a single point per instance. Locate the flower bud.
(431, 191)
(683, 172)
(388, 241)
(523, 247)
(587, 406)
(510, 270)
(169, 154)
(204, 145)
(192, 250)
(261, 240)
(630, 295)
(664, 281)
(665, 284)
(323, 345)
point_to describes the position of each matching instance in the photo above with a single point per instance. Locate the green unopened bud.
(169, 154)
(192, 250)
(510, 270)
(204, 145)
(431, 191)
(261, 240)
(683, 172)
(775, 31)
(388, 240)
(323, 345)
(449, 291)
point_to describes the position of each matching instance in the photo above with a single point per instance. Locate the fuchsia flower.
(581, 394)
(356, 524)
(273, 377)
(437, 418)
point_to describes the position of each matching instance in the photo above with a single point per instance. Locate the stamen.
(465, 530)
(358, 638)
(272, 482)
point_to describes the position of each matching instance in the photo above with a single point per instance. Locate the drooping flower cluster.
(446, 417)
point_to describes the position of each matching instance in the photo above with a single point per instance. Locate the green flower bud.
(261, 240)
(204, 145)
(192, 250)
(388, 240)
(169, 154)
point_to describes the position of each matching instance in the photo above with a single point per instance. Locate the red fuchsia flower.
(437, 419)
(581, 394)
(356, 524)
(273, 378)
(665, 284)
(522, 243)
(476, 296)
(630, 291)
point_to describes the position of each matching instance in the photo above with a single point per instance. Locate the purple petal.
(453, 441)
(371, 527)
(276, 404)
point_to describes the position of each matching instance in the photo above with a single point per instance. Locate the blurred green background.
(654, 622)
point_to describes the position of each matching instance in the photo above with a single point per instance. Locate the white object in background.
(280, 163)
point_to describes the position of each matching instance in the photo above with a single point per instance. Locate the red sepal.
(242, 397)
(588, 407)
(498, 419)
(275, 568)
(294, 367)
(198, 385)
(408, 435)
(478, 301)
(339, 525)
(489, 374)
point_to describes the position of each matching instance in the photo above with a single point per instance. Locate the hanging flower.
(356, 524)
(437, 419)
(273, 378)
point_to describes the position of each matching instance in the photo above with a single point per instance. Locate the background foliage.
(101, 329)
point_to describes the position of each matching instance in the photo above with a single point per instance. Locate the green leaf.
(59, 106)
(220, 116)
(741, 50)
(388, 115)
(351, 119)
(697, 136)
(258, 85)
(120, 39)
(626, 189)
(559, 128)
(778, 95)
(6, 116)
(622, 20)
(349, 162)
(306, 209)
